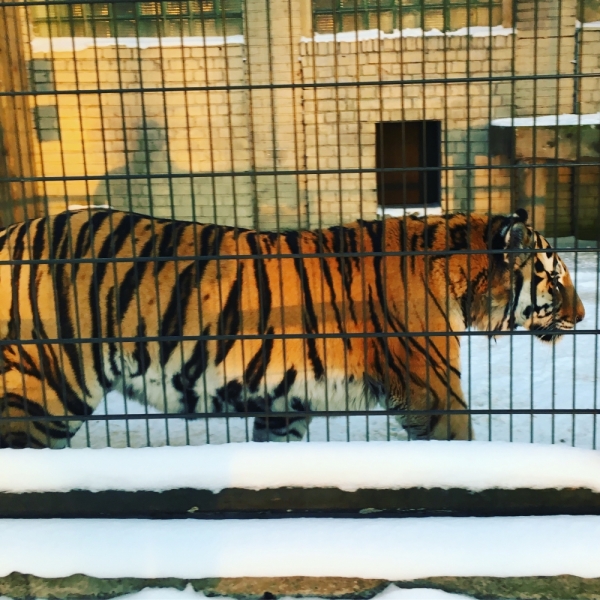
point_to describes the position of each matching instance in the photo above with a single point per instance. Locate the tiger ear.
(516, 236)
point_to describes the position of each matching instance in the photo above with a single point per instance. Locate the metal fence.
(287, 116)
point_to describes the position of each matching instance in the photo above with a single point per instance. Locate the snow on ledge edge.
(75, 44)
(376, 34)
(347, 466)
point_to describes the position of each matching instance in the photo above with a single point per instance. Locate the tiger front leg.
(442, 423)
(282, 427)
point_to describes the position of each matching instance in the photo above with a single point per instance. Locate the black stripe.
(445, 381)
(171, 237)
(341, 244)
(375, 232)
(130, 284)
(517, 294)
(285, 384)
(39, 243)
(96, 223)
(173, 321)
(64, 290)
(229, 319)
(414, 242)
(79, 244)
(429, 232)
(257, 366)
(208, 247)
(390, 361)
(111, 331)
(458, 237)
(140, 353)
(262, 283)
(14, 325)
(112, 245)
(329, 280)
(59, 226)
(55, 377)
(309, 317)
(229, 395)
(194, 367)
(442, 312)
(353, 247)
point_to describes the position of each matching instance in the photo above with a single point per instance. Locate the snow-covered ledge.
(563, 120)
(473, 466)
(552, 137)
(392, 549)
(76, 44)
(364, 35)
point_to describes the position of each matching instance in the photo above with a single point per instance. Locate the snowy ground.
(349, 467)
(389, 549)
(518, 372)
(390, 593)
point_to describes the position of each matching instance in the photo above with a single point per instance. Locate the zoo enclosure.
(292, 114)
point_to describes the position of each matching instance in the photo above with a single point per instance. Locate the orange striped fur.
(363, 305)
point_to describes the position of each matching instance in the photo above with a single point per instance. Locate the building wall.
(137, 135)
(340, 121)
(268, 137)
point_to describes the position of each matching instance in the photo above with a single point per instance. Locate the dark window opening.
(409, 154)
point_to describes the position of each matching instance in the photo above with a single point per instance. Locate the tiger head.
(536, 283)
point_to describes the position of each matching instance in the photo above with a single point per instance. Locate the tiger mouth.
(551, 332)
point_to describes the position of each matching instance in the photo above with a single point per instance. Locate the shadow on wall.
(150, 182)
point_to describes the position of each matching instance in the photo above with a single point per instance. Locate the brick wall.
(146, 133)
(266, 135)
(340, 122)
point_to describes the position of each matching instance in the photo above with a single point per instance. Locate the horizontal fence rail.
(305, 135)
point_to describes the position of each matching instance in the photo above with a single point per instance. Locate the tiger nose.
(580, 310)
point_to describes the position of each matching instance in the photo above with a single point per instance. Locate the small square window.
(409, 156)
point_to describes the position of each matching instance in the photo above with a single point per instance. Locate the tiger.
(201, 318)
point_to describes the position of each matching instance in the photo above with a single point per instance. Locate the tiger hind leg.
(452, 427)
(30, 412)
(287, 428)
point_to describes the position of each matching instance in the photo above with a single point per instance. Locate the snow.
(400, 212)
(549, 120)
(377, 34)
(392, 592)
(543, 376)
(69, 44)
(75, 44)
(392, 549)
(589, 25)
(395, 593)
(254, 466)
(87, 206)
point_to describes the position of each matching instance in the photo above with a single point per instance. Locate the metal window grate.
(331, 16)
(283, 130)
(138, 19)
